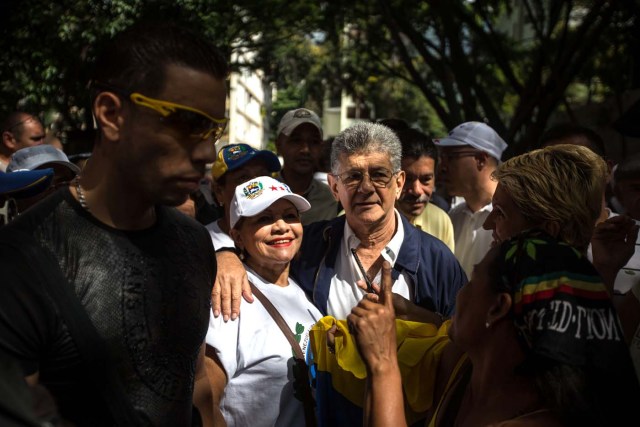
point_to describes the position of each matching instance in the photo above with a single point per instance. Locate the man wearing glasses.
(127, 348)
(468, 157)
(19, 130)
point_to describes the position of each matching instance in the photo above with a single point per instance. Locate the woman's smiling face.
(272, 237)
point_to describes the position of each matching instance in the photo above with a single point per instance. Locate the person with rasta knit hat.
(535, 341)
(299, 142)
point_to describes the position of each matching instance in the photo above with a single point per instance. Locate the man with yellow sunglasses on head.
(106, 287)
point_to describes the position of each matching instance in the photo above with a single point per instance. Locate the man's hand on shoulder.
(231, 283)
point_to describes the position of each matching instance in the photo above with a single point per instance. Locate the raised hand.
(613, 243)
(372, 322)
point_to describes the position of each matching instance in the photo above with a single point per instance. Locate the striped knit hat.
(561, 307)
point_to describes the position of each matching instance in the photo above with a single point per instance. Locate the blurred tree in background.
(435, 63)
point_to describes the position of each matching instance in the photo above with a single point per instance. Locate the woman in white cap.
(256, 364)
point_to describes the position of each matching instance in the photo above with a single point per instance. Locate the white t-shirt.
(472, 241)
(219, 238)
(344, 294)
(258, 359)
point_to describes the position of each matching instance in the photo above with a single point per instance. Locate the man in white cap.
(468, 157)
(299, 142)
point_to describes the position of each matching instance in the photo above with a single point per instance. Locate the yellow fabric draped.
(420, 346)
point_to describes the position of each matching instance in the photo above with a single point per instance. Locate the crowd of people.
(377, 277)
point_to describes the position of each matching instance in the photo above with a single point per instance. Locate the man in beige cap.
(299, 142)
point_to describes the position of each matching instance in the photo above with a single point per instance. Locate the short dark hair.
(416, 144)
(562, 131)
(135, 60)
(627, 169)
(15, 121)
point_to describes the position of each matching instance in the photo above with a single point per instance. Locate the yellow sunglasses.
(193, 122)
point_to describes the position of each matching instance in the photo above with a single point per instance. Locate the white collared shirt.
(344, 294)
(472, 241)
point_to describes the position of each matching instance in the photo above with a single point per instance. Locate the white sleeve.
(219, 238)
(223, 337)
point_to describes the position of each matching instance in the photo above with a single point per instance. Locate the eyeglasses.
(191, 121)
(379, 178)
(457, 154)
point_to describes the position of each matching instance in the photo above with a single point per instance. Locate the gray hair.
(365, 138)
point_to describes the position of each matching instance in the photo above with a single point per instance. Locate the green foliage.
(433, 63)
(510, 63)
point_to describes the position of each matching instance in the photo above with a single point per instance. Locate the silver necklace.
(81, 198)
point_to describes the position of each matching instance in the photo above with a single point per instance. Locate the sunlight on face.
(506, 219)
(418, 186)
(273, 237)
(366, 203)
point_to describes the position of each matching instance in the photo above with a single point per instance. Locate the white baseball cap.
(294, 118)
(476, 134)
(257, 194)
(31, 158)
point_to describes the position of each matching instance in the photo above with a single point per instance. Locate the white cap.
(31, 158)
(257, 194)
(294, 118)
(476, 134)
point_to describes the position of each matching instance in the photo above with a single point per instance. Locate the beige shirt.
(436, 222)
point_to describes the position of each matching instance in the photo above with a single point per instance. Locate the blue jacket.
(436, 273)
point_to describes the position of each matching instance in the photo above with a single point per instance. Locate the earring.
(487, 324)
(241, 256)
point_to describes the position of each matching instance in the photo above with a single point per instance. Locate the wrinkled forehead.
(364, 160)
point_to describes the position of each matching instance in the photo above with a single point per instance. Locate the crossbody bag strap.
(277, 317)
(307, 397)
(90, 345)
